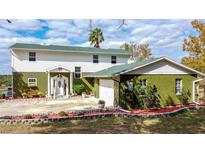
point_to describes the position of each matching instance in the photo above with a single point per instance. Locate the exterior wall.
(96, 87)
(165, 85)
(161, 67)
(20, 80)
(46, 60)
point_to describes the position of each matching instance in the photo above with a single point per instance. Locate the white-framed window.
(178, 84)
(143, 83)
(113, 59)
(77, 73)
(95, 59)
(32, 81)
(32, 56)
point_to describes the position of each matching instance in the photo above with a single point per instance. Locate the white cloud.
(164, 36)
(17, 25)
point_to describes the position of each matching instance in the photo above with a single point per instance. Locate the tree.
(195, 45)
(139, 51)
(96, 37)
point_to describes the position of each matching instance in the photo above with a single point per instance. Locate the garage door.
(106, 91)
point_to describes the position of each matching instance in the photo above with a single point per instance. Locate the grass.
(190, 122)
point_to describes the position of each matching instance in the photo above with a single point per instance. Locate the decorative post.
(71, 82)
(49, 93)
(66, 87)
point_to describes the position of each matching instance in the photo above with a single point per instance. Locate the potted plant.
(83, 94)
(101, 103)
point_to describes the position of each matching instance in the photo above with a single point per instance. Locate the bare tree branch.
(122, 23)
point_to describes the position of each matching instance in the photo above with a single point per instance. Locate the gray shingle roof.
(73, 49)
(109, 72)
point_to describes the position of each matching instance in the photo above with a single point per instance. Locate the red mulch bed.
(137, 111)
(164, 110)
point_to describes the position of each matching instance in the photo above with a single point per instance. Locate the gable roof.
(121, 69)
(71, 49)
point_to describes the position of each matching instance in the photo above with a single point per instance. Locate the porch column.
(67, 87)
(49, 92)
(71, 82)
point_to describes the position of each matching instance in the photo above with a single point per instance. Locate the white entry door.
(106, 91)
(59, 87)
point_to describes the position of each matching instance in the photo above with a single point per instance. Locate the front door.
(59, 87)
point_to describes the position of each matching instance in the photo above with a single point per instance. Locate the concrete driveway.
(12, 108)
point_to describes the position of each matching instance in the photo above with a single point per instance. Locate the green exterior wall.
(20, 82)
(96, 87)
(165, 85)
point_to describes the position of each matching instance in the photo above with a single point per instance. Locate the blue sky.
(164, 36)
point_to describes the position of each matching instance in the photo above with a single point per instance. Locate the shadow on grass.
(187, 123)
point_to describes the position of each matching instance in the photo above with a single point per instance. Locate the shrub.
(184, 97)
(27, 116)
(78, 88)
(40, 94)
(146, 97)
(62, 113)
(24, 94)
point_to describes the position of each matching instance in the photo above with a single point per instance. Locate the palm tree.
(96, 37)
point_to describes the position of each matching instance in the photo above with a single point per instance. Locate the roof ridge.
(71, 46)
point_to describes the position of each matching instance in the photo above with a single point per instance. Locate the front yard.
(190, 122)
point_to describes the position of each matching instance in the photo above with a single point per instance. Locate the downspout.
(193, 92)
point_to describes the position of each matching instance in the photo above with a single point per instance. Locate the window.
(143, 83)
(32, 56)
(32, 82)
(77, 72)
(95, 58)
(113, 59)
(178, 86)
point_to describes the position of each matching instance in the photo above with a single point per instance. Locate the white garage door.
(106, 91)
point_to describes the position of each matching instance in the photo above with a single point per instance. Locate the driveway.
(12, 108)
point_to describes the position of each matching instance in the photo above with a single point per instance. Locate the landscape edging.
(122, 112)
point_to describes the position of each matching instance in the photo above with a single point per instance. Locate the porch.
(60, 82)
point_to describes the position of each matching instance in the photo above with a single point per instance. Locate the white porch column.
(67, 87)
(71, 82)
(49, 92)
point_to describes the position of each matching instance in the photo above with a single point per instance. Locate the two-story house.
(55, 69)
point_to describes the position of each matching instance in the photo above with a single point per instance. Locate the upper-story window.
(113, 59)
(32, 56)
(77, 73)
(95, 58)
(178, 86)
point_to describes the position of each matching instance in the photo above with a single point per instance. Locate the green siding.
(20, 81)
(116, 93)
(96, 87)
(166, 85)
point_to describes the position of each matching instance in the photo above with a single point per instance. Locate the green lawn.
(190, 122)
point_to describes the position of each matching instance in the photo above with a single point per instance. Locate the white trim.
(181, 86)
(36, 81)
(70, 51)
(56, 67)
(163, 58)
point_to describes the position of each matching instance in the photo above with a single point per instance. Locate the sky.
(165, 37)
